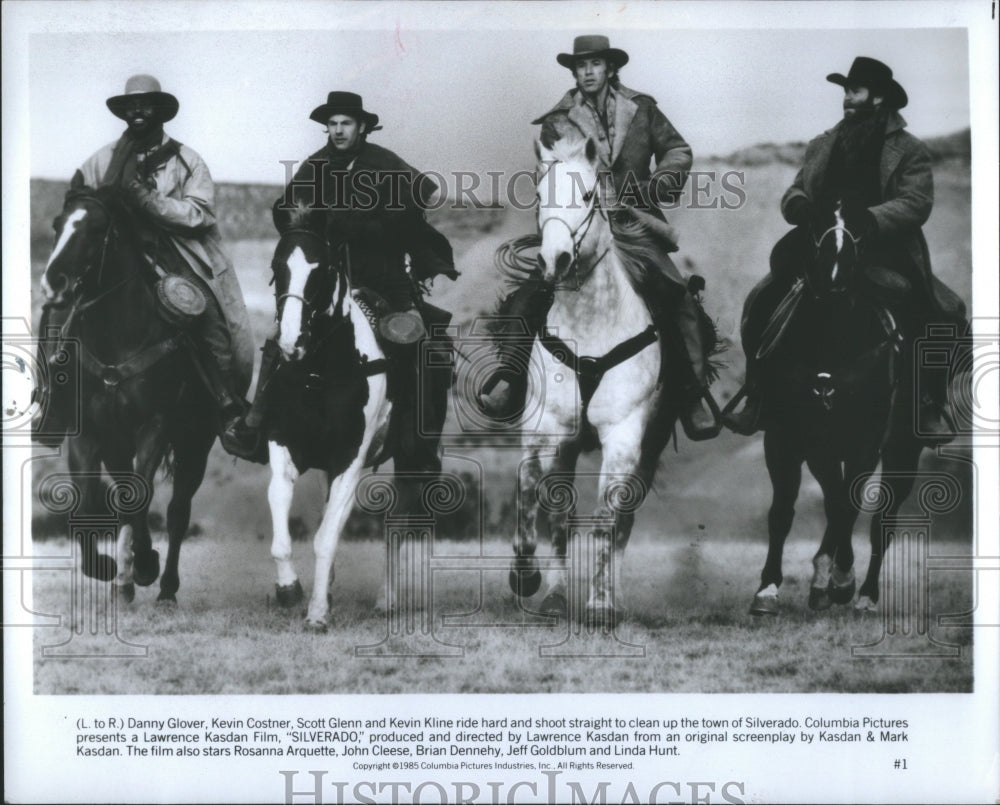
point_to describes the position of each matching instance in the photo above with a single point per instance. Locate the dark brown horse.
(837, 399)
(141, 397)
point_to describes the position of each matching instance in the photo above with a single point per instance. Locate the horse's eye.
(588, 196)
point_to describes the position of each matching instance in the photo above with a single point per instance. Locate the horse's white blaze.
(838, 237)
(73, 221)
(291, 317)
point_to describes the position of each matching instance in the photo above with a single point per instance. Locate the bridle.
(311, 310)
(579, 232)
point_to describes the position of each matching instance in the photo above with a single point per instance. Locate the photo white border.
(955, 737)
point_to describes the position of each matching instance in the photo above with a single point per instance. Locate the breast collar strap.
(589, 370)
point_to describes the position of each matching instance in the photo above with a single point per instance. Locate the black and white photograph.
(500, 402)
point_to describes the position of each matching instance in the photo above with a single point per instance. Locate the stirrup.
(703, 433)
(747, 421)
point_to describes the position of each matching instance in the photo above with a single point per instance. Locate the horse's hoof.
(819, 600)
(842, 595)
(765, 602)
(601, 616)
(125, 592)
(555, 603)
(525, 579)
(865, 604)
(147, 568)
(288, 595)
(315, 627)
(100, 566)
(166, 601)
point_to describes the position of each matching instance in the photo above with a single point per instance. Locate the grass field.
(690, 570)
(688, 630)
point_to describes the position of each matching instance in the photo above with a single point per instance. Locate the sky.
(457, 89)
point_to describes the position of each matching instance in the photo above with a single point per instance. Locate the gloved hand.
(140, 192)
(798, 211)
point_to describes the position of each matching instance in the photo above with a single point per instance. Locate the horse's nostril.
(563, 261)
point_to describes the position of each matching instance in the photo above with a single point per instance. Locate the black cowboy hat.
(877, 77)
(344, 103)
(592, 46)
(145, 86)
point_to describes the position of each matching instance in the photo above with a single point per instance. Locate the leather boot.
(502, 395)
(242, 437)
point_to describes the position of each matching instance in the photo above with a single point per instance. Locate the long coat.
(183, 205)
(376, 204)
(639, 135)
(907, 197)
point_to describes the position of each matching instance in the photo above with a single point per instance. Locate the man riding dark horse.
(172, 191)
(881, 176)
(368, 205)
(629, 131)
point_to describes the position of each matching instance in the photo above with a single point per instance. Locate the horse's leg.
(563, 465)
(190, 457)
(85, 463)
(288, 589)
(338, 507)
(826, 469)
(900, 459)
(857, 471)
(151, 445)
(784, 466)
(620, 488)
(525, 578)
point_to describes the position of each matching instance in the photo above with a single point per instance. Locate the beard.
(862, 134)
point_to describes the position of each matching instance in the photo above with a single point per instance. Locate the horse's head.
(837, 247)
(568, 205)
(308, 289)
(83, 231)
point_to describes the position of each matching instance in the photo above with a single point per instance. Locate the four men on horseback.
(368, 204)
(172, 192)
(630, 132)
(881, 177)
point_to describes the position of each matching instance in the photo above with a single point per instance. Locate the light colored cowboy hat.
(592, 45)
(344, 103)
(147, 87)
(877, 77)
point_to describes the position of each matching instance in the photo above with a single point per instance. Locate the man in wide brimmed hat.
(642, 161)
(173, 190)
(369, 205)
(881, 176)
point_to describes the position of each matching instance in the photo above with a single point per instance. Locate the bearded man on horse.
(172, 191)
(630, 132)
(881, 175)
(368, 205)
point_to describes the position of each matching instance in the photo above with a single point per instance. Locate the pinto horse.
(331, 406)
(831, 373)
(599, 384)
(140, 393)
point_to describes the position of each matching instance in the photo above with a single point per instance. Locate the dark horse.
(332, 402)
(835, 397)
(140, 394)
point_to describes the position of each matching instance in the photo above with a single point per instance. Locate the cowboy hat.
(145, 86)
(344, 103)
(592, 46)
(874, 75)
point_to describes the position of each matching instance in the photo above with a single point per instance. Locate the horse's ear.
(590, 151)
